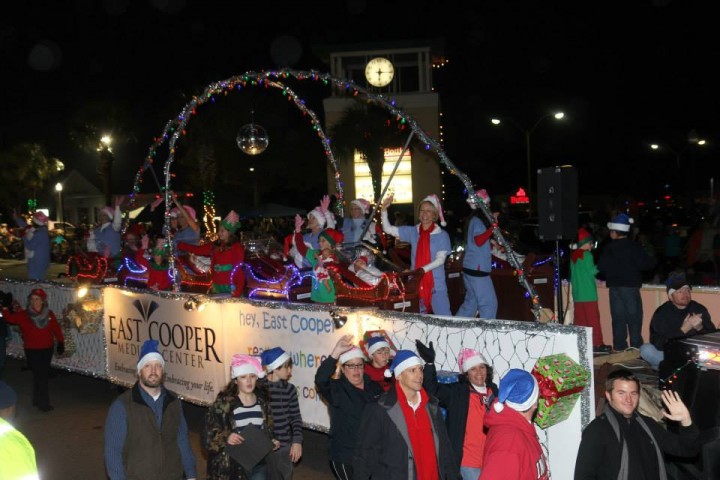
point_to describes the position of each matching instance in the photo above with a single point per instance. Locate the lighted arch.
(174, 130)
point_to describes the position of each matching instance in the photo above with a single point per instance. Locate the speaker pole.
(558, 285)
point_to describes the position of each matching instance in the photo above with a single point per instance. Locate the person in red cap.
(584, 289)
(323, 289)
(39, 329)
(226, 257)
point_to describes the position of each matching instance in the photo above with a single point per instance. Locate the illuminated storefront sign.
(401, 185)
(520, 197)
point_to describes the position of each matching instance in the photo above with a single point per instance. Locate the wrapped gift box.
(561, 380)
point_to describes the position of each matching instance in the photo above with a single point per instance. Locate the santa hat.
(246, 365)
(39, 218)
(175, 212)
(149, 353)
(319, 216)
(376, 343)
(161, 247)
(518, 390)
(39, 292)
(274, 358)
(403, 360)
(583, 237)
(435, 201)
(363, 204)
(109, 211)
(332, 236)
(470, 358)
(231, 222)
(621, 223)
(481, 194)
(354, 352)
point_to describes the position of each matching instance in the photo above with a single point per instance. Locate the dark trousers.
(3, 351)
(627, 315)
(342, 471)
(279, 465)
(39, 363)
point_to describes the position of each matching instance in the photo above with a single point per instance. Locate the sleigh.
(89, 267)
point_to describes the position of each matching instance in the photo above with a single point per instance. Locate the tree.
(26, 171)
(368, 129)
(100, 119)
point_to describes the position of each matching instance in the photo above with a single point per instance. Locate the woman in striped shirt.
(241, 403)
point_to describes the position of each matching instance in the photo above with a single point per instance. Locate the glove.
(426, 353)
(60, 348)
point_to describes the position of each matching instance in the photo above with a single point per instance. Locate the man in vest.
(17, 456)
(624, 444)
(146, 435)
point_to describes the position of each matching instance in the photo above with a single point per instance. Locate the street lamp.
(59, 189)
(528, 133)
(692, 139)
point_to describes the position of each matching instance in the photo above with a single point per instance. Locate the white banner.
(191, 342)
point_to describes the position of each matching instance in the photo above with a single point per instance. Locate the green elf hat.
(231, 222)
(332, 236)
(161, 247)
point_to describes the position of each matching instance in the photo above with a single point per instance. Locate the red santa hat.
(363, 204)
(332, 236)
(39, 218)
(435, 201)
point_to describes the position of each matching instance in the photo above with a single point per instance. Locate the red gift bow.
(548, 389)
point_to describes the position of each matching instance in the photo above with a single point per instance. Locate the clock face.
(379, 72)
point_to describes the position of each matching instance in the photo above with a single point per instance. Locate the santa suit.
(225, 264)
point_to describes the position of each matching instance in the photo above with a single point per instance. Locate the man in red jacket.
(512, 449)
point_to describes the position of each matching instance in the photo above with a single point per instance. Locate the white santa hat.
(109, 211)
(435, 201)
(319, 216)
(354, 352)
(363, 204)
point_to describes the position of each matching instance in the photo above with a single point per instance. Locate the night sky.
(625, 76)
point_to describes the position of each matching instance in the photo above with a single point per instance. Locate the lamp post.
(105, 167)
(527, 133)
(59, 189)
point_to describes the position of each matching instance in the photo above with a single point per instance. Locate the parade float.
(105, 323)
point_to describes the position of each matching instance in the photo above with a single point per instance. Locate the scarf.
(41, 318)
(624, 460)
(422, 258)
(421, 436)
(577, 254)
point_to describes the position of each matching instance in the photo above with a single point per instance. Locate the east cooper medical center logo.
(180, 344)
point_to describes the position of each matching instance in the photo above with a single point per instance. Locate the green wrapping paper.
(560, 380)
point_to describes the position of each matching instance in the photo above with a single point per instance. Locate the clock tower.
(401, 71)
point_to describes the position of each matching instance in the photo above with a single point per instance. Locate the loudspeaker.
(557, 199)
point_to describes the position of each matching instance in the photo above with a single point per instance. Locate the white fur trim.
(354, 352)
(407, 363)
(246, 369)
(619, 227)
(377, 346)
(474, 361)
(150, 357)
(278, 362)
(498, 407)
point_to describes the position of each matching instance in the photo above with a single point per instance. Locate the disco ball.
(252, 139)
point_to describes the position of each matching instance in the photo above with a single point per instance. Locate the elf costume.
(584, 289)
